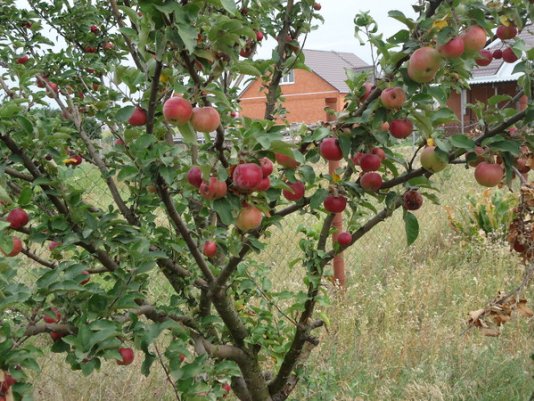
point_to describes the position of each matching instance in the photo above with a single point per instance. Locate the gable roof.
(331, 66)
(498, 70)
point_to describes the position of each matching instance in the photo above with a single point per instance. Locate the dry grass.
(396, 334)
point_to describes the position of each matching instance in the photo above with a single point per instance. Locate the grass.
(396, 334)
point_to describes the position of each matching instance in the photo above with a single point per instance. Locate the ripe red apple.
(357, 158)
(488, 174)
(423, 65)
(370, 162)
(23, 59)
(367, 89)
(259, 36)
(393, 98)
(138, 117)
(94, 29)
(316, 6)
(412, 200)
(335, 204)
(506, 32)
(247, 176)
(344, 238)
(16, 247)
(266, 166)
(474, 38)
(523, 103)
(246, 51)
(215, 189)
(127, 356)
(89, 49)
(210, 248)
(485, 58)
(430, 160)
(52, 316)
(371, 181)
(226, 387)
(249, 218)
(454, 48)
(53, 245)
(177, 110)
(286, 161)
(205, 119)
(17, 218)
(108, 46)
(521, 165)
(509, 56)
(401, 128)
(384, 126)
(330, 149)
(74, 160)
(118, 142)
(264, 185)
(85, 280)
(497, 54)
(379, 152)
(194, 176)
(56, 336)
(296, 192)
(5, 385)
(54, 89)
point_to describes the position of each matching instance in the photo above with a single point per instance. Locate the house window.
(289, 78)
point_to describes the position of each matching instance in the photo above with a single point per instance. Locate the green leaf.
(411, 226)
(224, 208)
(506, 146)
(399, 16)
(318, 197)
(124, 113)
(462, 142)
(229, 5)
(246, 67)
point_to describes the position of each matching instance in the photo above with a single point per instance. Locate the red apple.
(210, 248)
(393, 98)
(94, 29)
(226, 387)
(384, 126)
(108, 46)
(246, 51)
(85, 280)
(23, 59)
(316, 6)
(54, 89)
(423, 65)
(249, 218)
(17, 218)
(454, 48)
(523, 103)
(259, 36)
(194, 176)
(344, 238)
(286, 161)
(379, 152)
(474, 39)
(401, 128)
(266, 166)
(330, 149)
(118, 142)
(296, 192)
(371, 181)
(485, 57)
(430, 160)
(412, 200)
(56, 336)
(488, 174)
(52, 316)
(370, 162)
(506, 32)
(89, 49)
(247, 176)
(215, 189)
(509, 56)
(497, 54)
(53, 245)
(138, 117)
(335, 204)
(367, 89)
(74, 160)
(205, 119)
(177, 110)
(127, 356)
(16, 247)
(264, 185)
(357, 158)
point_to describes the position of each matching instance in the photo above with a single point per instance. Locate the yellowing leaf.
(430, 142)
(336, 177)
(490, 331)
(504, 20)
(523, 310)
(441, 23)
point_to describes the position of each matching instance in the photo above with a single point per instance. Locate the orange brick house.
(307, 93)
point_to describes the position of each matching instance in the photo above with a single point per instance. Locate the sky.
(337, 32)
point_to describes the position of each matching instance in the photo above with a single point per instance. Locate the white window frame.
(288, 78)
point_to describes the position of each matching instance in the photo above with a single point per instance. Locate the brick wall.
(305, 99)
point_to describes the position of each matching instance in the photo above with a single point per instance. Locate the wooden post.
(338, 261)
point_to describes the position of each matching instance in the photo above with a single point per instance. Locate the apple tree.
(193, 190)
